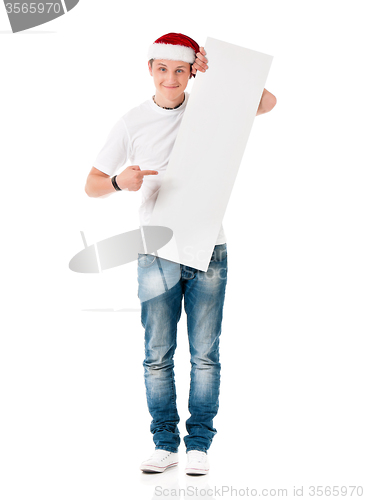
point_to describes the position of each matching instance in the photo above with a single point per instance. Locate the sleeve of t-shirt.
(115, 151)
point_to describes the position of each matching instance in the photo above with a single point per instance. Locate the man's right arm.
(100, 184)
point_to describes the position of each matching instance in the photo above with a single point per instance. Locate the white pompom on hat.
(174, 47)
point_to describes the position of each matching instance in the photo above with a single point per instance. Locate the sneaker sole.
(196, 472)
(156, 468)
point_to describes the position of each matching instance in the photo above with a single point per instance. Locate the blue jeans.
(161, 286)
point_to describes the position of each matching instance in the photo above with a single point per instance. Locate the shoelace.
(157, 455)
(199, 456)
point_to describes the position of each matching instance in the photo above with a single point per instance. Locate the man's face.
(170, 78)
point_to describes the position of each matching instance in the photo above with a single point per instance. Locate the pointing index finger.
(148, 172)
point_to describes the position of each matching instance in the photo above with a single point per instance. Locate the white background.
(74, 420)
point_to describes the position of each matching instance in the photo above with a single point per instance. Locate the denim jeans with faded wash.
(161, 286)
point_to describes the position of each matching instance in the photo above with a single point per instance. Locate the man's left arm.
(268, 100)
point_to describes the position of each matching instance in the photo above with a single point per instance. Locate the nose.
(170, 78)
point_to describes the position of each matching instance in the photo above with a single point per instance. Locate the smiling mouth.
(170, 87)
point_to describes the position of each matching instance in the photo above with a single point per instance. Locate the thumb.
(135, 167)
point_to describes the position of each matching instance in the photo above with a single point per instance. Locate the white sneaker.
(197, 463)
(159, 461)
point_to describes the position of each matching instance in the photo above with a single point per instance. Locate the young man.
(146, 136)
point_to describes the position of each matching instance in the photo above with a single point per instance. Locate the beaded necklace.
(153, 97)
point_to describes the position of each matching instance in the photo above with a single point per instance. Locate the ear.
(149, 68)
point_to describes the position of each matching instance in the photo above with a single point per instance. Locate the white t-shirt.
(145, 135)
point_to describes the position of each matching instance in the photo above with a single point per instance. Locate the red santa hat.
(175, 47)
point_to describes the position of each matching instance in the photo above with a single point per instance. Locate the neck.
(166, 103)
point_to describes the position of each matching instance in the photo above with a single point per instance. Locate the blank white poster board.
(208, 151)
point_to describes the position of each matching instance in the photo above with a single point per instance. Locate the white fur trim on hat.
(171, 52)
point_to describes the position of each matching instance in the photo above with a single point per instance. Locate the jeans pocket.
(219, 253)
(145, 260)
